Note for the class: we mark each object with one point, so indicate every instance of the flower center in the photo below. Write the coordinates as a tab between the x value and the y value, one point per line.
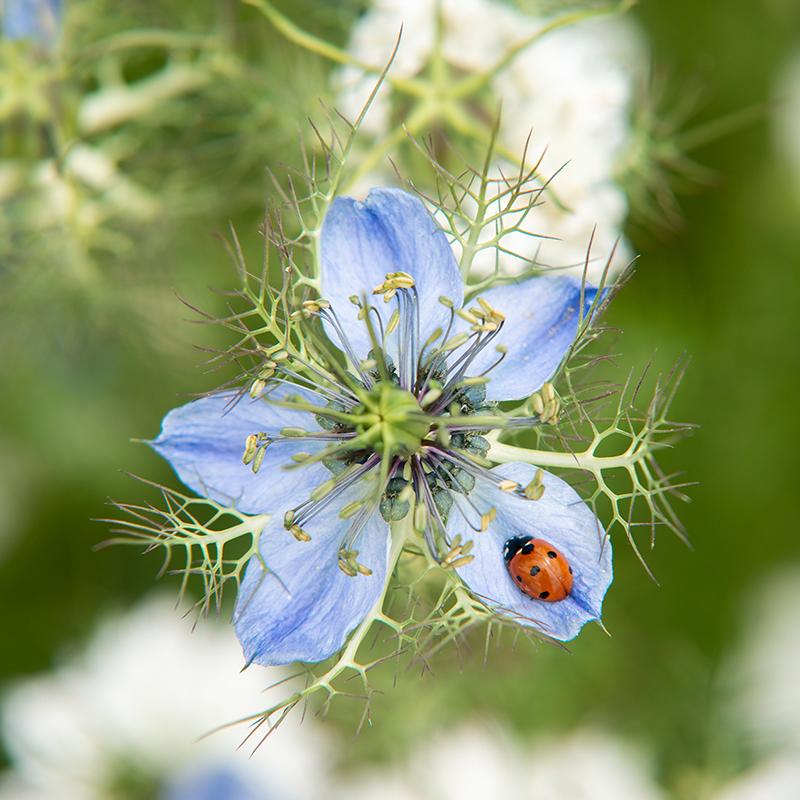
392	421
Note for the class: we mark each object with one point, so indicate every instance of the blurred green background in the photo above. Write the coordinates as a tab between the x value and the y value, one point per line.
93	356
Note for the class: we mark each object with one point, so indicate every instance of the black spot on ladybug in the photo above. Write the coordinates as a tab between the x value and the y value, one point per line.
534	571
527	549
519	578
513	546
570	570
544	595
552	554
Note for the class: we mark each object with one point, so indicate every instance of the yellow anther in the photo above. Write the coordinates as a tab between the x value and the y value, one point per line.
345	567
454	342
323	490
350	509
487	519
508	486
292	432
259	458
299	534
491	313
535	489
393	322
250	448
256	387
484	318
393	282
311	308
467	316
267	371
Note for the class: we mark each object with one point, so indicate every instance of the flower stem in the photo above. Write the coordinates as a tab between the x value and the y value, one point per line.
504	453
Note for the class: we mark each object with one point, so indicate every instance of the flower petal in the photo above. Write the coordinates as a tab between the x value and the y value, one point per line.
216	782
390	231
304	607
542	317
32	19
561	518
204	441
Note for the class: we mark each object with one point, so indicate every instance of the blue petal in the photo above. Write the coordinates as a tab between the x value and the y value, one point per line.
304	607
31	19
215	783
542	317
391	231
561	518
204	441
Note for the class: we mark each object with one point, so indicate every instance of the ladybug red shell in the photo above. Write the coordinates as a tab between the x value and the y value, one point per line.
538	569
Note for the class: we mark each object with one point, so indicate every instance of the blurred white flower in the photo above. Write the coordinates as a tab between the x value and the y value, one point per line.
764	674
127	714
774	779
484	761
786	119
572	89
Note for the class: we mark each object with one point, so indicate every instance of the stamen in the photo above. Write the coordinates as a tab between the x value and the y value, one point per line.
393	282
545	404
330	316
535	489
307	510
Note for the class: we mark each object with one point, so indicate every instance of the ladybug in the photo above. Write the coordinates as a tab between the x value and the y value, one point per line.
538	569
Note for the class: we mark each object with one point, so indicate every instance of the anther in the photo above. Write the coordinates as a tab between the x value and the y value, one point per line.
259	459
535	489
299	534
250	448
323	490
351	509
293	432
420	517
256	387
394	320
393	282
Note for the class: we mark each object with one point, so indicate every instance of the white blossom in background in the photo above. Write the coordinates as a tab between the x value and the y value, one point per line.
786	120
573	89
130	711
774	779
764	674
483	761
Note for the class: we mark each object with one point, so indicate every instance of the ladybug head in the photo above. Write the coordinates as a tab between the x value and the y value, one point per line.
513	546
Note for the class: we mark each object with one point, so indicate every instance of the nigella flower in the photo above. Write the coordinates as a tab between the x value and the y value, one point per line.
352	463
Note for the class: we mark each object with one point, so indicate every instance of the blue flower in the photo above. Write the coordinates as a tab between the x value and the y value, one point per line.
212	783
31	19
337	454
